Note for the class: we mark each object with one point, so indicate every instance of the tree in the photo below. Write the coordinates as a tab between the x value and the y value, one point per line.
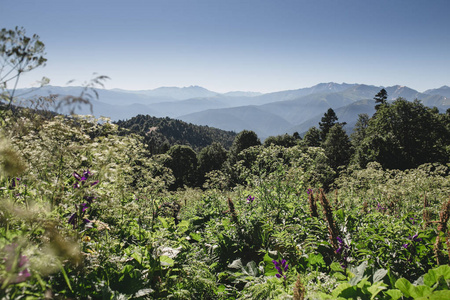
245	139
380	99
327	121
210	158
284	140
404	135
312	137
183	163
359	131
337	147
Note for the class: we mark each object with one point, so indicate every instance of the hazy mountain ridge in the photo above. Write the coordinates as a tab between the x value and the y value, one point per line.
267	114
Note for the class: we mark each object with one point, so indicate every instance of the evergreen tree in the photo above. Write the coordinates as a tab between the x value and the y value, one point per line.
380	99
312	137
210	158
359	131
183	163
327	121
337	147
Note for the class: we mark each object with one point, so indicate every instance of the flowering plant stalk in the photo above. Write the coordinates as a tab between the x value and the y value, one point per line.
282	267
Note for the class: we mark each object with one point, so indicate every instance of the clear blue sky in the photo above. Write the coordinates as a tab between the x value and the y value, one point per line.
248	45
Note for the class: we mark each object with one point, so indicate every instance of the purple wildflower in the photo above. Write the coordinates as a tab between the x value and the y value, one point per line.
73	219
250	199
89	199
309	191
343	249
282	267
19	263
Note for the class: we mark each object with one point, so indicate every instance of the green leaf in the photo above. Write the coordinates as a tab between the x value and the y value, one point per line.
316	260
143	292
137	256
394	294
252	269
409	290
404	286
195	236
166	261
335	266
440	295
66	278
236	264
421	291
220	289
432	277
345	290
376	288
379	275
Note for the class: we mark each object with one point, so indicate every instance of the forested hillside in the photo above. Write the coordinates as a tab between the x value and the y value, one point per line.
161	133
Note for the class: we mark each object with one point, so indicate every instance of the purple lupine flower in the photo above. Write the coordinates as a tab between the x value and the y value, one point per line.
309	191
250	199
282	267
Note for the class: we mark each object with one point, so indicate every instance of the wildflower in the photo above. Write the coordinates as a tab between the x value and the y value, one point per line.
380	208
342	249
281	267
73	219
309	191
250	199
89	199
16	264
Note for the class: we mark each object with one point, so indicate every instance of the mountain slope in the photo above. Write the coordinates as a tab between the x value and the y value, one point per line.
240	118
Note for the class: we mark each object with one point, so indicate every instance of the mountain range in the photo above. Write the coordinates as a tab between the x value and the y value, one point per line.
267	114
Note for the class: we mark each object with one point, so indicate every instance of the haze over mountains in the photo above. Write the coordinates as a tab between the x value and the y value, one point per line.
266	114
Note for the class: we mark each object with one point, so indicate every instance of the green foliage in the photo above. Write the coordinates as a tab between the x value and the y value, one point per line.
327	121
284	140
183	163
161	133
337	147
380	99
86	212
312	137
210	158
405	135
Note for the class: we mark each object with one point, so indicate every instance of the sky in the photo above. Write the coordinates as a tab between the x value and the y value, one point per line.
238	45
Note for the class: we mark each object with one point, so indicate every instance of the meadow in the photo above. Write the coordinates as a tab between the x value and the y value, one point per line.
87	214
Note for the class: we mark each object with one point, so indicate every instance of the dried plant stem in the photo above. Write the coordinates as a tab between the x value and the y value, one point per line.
299	290
444	215
312	205
426	213
328	212
232	210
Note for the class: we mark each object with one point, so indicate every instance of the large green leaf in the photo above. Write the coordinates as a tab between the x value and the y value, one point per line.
166	261
432	277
